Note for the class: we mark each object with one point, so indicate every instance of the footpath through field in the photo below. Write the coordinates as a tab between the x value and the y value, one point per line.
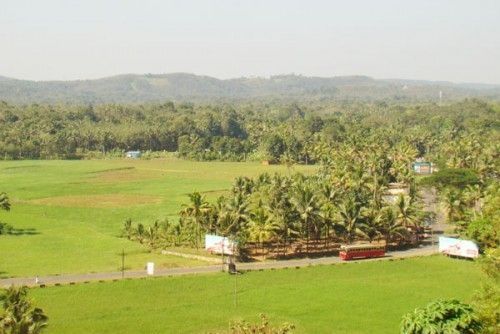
108	276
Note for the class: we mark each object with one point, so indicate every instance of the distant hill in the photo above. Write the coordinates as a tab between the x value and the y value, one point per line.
184	86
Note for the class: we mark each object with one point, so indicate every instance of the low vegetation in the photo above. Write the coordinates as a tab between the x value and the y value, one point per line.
264	327
442	316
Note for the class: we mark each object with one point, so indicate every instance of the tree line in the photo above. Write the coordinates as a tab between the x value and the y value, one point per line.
273	130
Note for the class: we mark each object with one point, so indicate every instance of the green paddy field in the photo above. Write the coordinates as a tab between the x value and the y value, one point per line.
69	213
367	297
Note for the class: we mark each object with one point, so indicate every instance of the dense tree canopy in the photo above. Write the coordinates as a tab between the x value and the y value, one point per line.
459	135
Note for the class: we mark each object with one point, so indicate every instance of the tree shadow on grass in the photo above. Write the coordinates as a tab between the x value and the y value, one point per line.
24	231
6	229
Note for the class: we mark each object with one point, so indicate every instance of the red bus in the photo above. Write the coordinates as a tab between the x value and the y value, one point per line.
349	252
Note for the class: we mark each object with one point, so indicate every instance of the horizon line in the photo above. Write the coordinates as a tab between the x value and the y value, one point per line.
266	77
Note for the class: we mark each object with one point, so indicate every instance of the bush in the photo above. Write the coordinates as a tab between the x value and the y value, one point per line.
244	327
452	177
442	316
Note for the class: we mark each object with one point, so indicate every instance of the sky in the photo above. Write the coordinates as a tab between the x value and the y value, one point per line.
450	40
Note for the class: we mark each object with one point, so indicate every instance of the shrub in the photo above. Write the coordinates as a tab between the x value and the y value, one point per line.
442	316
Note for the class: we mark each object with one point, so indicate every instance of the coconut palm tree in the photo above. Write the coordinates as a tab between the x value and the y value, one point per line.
390	227
307	206
152	235
372	223
243	185
128	229
19	316
140	233
454	204
407	213
196	213
234	216
472	196
261	227
349	218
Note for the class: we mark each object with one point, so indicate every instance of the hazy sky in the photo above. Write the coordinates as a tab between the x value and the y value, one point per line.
437	40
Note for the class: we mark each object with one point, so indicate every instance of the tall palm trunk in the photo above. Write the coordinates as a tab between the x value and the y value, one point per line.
307	236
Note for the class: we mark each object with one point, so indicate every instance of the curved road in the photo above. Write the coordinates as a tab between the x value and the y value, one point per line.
108	276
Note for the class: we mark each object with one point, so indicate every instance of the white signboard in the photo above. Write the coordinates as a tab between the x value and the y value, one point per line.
458	247
217	244
150	268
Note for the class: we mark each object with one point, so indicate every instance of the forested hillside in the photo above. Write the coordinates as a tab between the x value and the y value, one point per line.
188	87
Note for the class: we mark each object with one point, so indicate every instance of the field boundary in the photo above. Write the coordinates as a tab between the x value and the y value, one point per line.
191	256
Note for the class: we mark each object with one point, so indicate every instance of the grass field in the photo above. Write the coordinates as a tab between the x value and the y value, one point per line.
69	213
367	297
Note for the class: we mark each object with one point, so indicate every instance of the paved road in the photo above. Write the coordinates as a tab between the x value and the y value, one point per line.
108	276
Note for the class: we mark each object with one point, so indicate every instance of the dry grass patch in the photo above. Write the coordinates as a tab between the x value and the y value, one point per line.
124	174
99	201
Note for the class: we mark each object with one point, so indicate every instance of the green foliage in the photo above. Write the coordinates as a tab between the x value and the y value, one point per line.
487	305
453	177
4	202
19	316
305	132
5	205
273	147
442	316
487	299
5	228
264	327
479	212
484	232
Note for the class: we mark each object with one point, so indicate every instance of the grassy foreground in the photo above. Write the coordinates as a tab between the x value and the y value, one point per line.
368	297
70	213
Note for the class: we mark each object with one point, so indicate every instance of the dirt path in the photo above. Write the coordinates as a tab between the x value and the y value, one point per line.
431	204
108	276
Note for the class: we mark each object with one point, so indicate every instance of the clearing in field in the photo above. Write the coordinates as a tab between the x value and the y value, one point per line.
367	297
123	174
99	201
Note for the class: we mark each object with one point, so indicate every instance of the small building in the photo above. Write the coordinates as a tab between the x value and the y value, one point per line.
269	162
133	154
423	167
393	191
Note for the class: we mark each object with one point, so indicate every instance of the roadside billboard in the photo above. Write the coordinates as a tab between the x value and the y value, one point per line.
458	247
216	245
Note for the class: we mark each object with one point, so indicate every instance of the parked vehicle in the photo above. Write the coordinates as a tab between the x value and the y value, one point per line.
349	252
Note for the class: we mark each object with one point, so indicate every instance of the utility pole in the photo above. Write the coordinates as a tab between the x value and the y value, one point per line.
222	253
123	263
235	289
